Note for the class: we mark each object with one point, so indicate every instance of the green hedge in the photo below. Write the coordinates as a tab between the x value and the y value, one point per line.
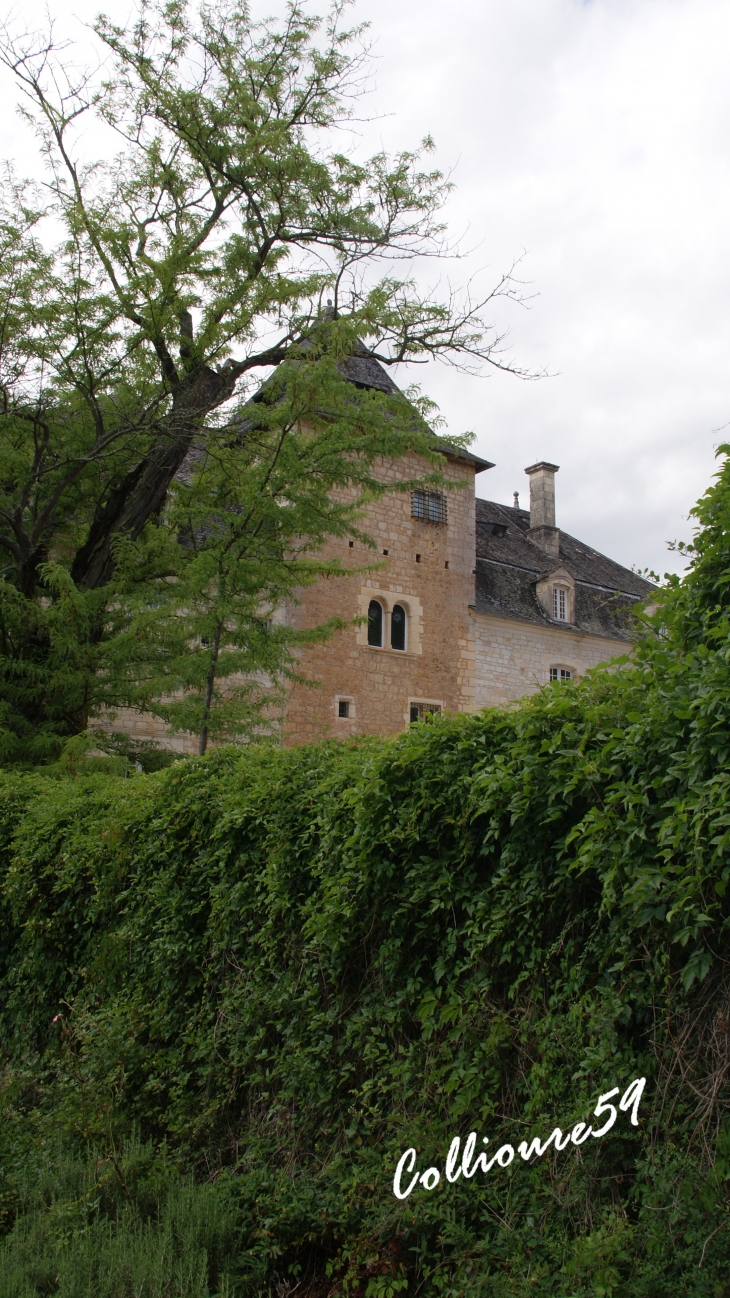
235	991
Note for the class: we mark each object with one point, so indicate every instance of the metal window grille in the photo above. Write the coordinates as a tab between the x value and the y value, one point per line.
430	506
398	627
560	674
343	708
560	604
421	710
375	624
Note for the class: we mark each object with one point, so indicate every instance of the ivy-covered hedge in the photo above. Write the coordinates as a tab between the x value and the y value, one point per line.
235	991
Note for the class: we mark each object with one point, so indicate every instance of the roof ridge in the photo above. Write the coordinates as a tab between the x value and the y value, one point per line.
589	552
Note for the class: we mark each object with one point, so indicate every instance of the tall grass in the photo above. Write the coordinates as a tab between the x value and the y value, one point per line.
84	1229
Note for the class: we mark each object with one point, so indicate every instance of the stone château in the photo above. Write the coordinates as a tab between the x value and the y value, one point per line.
474	604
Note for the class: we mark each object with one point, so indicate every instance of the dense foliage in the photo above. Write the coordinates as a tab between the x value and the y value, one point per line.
234	991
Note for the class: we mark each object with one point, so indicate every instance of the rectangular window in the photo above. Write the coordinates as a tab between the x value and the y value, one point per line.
429	506
343	708
560	604
421	710
560	674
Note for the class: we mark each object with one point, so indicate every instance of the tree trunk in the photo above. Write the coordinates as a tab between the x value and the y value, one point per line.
203	740
142	492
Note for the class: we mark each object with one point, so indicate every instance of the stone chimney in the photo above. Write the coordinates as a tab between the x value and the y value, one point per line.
542	507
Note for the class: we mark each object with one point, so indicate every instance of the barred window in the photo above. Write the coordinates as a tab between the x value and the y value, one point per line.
375	623
560	674
343	708
560	604
430	506
421	710
398	627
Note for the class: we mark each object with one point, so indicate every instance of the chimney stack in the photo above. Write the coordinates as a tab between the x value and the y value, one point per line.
542	507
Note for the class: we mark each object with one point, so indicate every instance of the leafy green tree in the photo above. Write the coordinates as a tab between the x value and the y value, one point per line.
146	292
692	611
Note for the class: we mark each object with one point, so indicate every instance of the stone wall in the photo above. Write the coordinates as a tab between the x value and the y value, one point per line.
143	726
514	658
455	658
428	568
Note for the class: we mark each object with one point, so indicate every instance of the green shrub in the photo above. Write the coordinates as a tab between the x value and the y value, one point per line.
283	968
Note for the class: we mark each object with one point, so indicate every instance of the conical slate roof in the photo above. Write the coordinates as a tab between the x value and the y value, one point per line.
364	371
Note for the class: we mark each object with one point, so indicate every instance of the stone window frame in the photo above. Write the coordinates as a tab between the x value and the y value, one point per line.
432	704
429	506
352	711
545	589
388	598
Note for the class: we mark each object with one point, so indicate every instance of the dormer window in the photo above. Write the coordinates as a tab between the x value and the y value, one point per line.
429	506
555	592
560	604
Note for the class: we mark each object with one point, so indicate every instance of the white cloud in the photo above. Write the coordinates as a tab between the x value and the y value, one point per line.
593	136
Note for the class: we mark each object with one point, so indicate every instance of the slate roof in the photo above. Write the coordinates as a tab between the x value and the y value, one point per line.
509	563
364	371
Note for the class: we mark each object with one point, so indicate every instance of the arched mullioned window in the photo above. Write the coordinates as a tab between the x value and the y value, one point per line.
398	627
375	623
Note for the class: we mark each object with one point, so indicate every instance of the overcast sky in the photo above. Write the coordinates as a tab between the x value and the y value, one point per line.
593	136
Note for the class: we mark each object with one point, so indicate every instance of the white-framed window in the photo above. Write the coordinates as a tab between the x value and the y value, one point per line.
429	506
560	604
561	674
344	707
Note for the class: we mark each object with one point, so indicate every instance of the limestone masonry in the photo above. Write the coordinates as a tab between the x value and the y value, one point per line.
496	606
474	604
